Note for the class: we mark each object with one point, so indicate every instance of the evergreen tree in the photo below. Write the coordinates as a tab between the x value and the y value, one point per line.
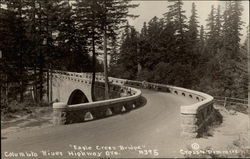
177	15
182	56
14	36
143	46
192	39
246	43
112	14
154	31
88	19
193	25
144	30
114	52
202	39
128	55
232	76
72	38
217	29
211	31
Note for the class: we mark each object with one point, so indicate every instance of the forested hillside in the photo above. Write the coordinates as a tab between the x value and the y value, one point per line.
177	50
41	35
37	36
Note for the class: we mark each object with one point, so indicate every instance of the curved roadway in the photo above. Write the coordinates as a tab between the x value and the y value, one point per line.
154	128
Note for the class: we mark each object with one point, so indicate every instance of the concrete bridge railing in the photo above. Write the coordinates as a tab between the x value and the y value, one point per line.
67	114
195	118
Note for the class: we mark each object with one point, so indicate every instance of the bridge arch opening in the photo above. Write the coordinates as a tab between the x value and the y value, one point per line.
77	97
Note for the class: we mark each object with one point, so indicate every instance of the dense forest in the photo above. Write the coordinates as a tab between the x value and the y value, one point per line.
37	36
176	50
41	35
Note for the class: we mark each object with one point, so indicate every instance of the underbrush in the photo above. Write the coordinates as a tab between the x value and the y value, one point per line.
15	108
239	108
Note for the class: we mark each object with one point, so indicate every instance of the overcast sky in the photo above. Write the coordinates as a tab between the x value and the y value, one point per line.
148	9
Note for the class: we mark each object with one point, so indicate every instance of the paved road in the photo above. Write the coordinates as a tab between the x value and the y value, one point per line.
150	131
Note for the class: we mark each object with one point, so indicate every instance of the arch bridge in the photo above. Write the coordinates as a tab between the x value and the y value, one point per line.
73	92
148	116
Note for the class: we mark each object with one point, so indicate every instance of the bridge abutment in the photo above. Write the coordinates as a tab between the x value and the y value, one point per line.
188	125
196	124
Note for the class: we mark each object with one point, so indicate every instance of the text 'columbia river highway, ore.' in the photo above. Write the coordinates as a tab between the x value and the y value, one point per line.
76	151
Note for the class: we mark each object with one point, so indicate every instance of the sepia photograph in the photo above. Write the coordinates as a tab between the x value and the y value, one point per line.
111	79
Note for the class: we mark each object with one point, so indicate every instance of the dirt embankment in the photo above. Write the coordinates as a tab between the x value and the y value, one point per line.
33	117
229	139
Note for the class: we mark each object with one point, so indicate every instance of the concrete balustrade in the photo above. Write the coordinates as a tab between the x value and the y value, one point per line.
67	114
195	118
90	111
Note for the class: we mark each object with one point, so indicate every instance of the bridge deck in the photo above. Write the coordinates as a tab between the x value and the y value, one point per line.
155	125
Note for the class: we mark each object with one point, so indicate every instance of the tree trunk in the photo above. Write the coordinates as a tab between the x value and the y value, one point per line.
21	77
35	84
51	97
35	67
93	67
1	91
48	98
40	57
137	59
21	58
6	90
105	64
41	79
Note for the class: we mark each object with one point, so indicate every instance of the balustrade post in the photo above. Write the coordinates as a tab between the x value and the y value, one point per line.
59	113
225	102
